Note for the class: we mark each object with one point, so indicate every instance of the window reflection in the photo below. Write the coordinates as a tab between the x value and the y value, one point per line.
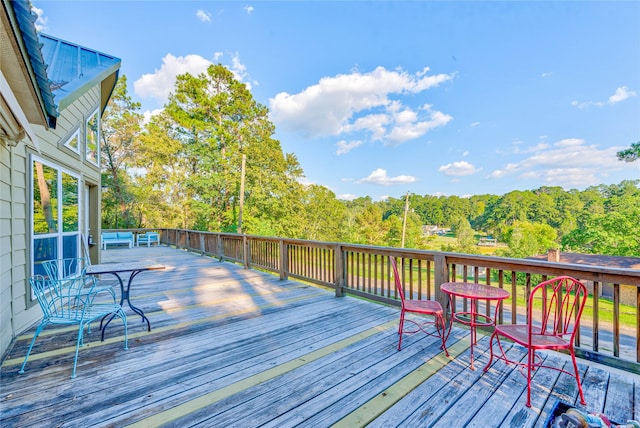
45	199
92	143
69	203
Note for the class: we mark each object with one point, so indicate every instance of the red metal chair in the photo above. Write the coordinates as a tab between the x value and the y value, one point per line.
554	310
424	307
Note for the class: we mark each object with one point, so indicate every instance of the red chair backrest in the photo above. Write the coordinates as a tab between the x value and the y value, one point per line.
396	277
555	306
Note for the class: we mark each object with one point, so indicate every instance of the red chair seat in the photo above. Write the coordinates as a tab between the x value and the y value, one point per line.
427	307
520	334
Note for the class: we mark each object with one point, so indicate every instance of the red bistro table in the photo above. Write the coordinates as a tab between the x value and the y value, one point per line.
474	292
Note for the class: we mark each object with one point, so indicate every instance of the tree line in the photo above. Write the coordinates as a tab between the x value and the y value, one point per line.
183	169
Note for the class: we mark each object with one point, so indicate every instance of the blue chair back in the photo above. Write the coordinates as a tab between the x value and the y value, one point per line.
63	301
64	268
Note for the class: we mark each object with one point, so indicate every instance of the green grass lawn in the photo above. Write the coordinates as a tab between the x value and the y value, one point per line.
449	239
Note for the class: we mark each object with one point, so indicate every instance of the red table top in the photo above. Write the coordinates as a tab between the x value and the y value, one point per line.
472	290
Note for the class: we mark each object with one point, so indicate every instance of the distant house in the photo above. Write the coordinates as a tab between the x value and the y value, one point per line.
52	96
488	242
430	229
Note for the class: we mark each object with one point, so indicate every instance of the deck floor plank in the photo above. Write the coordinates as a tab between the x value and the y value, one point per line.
619	402
237	347
236	354
358	381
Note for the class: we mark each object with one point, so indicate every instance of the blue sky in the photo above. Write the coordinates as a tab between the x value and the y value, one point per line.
383	98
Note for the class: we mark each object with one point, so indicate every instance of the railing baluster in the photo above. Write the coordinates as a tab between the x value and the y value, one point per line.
501	285
420	284
514	297
616	320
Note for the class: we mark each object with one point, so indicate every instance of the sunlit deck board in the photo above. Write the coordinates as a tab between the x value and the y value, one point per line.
239	347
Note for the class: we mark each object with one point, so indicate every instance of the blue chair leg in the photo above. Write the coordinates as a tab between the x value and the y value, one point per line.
39	329
79	341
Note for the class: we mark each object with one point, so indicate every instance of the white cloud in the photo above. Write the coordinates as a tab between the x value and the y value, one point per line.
380	177
239	70
249	9
374	123
621	94
586	104
203	16
149	113
408	127
347	197
538	147
346	146
358	101
570	163
475	124
41	20
161	82
508	169
546	74
458	169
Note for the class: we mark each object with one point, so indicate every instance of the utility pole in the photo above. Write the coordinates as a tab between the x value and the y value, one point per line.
404	221
244	161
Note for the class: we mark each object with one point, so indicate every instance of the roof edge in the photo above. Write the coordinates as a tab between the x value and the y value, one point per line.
32	54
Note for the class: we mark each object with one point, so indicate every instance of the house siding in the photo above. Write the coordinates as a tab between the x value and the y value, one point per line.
14	313
17	311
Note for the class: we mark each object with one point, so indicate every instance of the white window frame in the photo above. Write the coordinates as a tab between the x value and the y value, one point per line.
87	133
75	135
59	208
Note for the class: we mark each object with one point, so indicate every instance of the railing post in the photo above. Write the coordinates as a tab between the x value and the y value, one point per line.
219	247
245	251
201	243
441	275
284	260
339	269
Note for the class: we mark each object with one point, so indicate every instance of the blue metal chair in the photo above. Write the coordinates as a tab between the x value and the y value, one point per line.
68	268
68	302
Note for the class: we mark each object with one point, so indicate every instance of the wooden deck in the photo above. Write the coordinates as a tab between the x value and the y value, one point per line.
240	348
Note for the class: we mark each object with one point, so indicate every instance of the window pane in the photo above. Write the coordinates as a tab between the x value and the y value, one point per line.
70	246
44	249
69	203
92	145
45	199
73	142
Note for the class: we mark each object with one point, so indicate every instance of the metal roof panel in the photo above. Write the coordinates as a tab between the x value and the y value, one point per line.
74	69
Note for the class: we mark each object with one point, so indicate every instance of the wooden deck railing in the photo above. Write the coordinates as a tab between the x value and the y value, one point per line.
609	330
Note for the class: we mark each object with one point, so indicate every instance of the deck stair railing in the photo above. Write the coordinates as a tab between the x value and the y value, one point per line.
609	329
